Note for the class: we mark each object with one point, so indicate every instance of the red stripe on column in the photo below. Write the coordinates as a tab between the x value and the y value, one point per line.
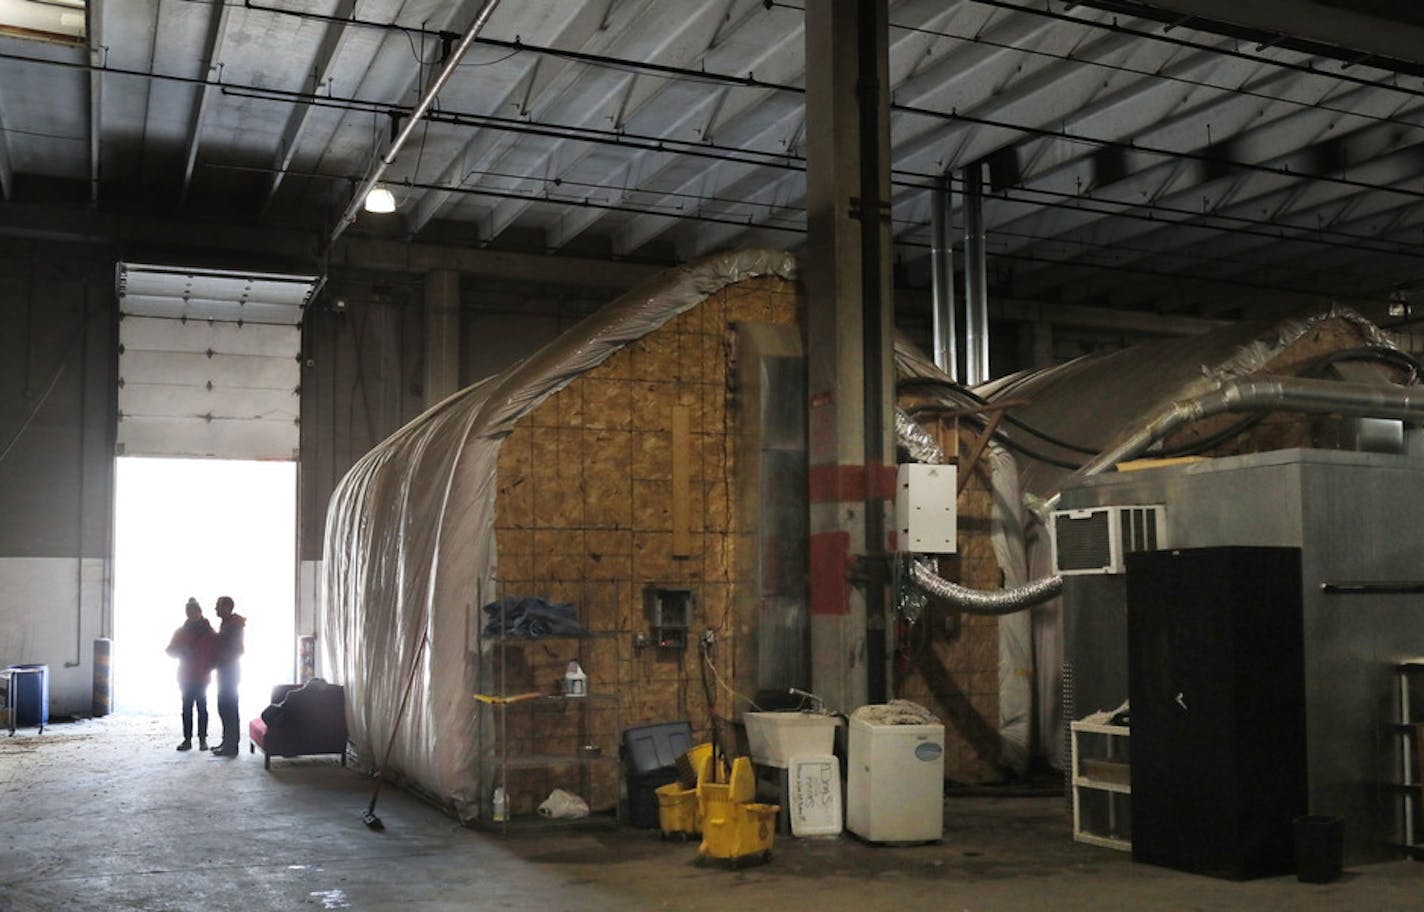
846	483
830	572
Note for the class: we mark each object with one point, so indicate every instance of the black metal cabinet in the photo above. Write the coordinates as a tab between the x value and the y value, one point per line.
1216	674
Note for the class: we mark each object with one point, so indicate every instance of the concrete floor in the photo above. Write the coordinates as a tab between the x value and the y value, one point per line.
105	815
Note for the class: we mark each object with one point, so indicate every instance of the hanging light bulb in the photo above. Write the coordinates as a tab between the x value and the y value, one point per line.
380	200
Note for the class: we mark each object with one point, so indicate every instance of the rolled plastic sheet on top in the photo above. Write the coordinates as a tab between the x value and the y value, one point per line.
410	548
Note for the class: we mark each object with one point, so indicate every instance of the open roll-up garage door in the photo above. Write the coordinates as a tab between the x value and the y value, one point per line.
208	362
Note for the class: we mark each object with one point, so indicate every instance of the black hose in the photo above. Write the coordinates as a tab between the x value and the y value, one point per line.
1019	423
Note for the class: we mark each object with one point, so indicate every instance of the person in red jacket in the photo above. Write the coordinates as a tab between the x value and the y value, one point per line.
225	659
192	645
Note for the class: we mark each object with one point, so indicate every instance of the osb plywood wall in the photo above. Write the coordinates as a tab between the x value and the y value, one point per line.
584	513
949	661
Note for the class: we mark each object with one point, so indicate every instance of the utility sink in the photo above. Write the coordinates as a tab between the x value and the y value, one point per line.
774	738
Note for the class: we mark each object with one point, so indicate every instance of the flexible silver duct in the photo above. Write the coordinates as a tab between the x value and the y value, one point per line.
924	448
921	443
1293	394
977	601
1290	394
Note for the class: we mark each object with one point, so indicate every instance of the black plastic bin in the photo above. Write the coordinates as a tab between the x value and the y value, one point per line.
650	754
650	748
31	693
1319	848
643	799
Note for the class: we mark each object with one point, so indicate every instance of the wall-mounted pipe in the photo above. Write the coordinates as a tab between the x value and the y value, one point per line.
976	278
413	121
946	349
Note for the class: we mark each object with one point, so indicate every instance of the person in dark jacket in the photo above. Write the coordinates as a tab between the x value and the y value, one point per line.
192	645
225	659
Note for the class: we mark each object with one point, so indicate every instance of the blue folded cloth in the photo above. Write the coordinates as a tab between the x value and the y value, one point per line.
531	617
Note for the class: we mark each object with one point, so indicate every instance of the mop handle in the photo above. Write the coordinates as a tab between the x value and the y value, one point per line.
400	710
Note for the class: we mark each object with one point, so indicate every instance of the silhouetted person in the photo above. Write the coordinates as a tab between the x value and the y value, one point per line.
225	660
192	645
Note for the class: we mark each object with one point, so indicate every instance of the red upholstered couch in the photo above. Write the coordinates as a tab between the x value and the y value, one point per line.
303	719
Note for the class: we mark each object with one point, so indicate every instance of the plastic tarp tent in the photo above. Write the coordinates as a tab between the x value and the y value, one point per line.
410	555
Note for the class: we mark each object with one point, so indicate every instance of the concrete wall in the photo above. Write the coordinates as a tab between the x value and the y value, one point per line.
57	355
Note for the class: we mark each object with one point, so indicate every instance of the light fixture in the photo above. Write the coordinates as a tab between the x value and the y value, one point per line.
380	200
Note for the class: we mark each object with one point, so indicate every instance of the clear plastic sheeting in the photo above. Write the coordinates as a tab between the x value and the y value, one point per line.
1006	535
410	548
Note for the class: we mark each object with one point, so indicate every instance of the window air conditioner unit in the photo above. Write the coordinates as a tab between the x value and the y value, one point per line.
1095	540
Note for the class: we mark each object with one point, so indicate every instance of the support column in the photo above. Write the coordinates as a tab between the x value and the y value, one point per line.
849	363
442	334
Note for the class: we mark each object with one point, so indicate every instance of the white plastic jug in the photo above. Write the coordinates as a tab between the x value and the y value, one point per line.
575	681
501	804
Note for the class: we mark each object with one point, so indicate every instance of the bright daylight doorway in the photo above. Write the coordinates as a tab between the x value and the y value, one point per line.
202	528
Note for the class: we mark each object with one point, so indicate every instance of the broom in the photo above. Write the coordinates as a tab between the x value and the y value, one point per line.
369	816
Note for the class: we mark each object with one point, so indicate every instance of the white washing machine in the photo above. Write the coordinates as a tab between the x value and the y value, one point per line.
895	782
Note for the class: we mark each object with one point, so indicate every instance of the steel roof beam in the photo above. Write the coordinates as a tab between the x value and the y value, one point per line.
318	76
981	66
218	21
1256	192
94	29
698	30
686	119
546	77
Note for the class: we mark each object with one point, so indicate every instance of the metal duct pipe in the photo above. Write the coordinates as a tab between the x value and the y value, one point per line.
1293	394
413	121
976	277
921	443
923	447
978	601
946	352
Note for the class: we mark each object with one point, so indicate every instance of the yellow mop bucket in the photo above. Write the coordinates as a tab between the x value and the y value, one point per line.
677	810
734	827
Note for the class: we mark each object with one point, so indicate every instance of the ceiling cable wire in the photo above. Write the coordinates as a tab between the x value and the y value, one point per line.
781	160
1117	28
686	146
1161	75
784	161
791	162
953	115
799	228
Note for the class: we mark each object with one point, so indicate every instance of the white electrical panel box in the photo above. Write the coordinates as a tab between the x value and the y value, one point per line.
1096	539
925	508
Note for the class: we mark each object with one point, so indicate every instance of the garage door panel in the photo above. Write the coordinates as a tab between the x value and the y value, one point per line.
220	439
228	372
207	385
149	401
151	334
204	309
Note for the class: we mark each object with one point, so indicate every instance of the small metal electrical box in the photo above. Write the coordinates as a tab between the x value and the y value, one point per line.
925	509
669	615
